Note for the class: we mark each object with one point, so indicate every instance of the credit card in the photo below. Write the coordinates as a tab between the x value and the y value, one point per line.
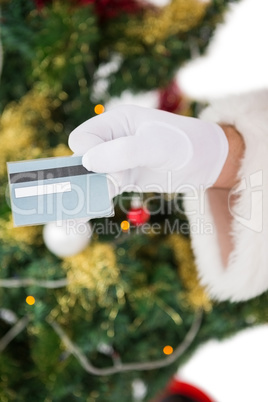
56	189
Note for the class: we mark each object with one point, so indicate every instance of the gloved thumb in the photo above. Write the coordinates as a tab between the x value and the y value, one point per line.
113	156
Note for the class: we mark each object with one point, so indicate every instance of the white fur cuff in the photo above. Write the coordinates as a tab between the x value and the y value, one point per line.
246	274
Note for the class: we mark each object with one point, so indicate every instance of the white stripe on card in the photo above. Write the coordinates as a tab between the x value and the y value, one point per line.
44	189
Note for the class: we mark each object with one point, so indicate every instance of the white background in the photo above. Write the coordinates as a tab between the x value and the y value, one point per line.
237	58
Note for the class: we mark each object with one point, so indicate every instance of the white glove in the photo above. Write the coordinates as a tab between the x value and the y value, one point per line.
149	150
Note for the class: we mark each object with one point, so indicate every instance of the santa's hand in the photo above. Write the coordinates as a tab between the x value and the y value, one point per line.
149	150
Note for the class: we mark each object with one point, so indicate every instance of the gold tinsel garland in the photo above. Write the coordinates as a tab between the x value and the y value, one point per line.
18	130
157	25
94	269
194	295
20	138
25	236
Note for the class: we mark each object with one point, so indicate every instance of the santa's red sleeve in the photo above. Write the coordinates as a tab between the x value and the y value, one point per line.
238	217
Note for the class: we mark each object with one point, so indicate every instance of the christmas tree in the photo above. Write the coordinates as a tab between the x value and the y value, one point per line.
129	307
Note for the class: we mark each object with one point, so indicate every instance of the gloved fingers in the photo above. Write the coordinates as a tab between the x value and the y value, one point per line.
81	145
105	127
164	146
113	156
155	145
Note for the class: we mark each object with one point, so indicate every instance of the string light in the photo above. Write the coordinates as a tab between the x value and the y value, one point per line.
125	226
99	109
168	350
30	300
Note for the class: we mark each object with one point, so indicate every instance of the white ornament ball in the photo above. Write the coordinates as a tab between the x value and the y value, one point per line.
67	238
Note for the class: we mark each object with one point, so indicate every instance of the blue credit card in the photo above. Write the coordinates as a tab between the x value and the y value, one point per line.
56	189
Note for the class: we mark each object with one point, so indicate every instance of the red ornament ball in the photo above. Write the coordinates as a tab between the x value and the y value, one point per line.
138	216
170	98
